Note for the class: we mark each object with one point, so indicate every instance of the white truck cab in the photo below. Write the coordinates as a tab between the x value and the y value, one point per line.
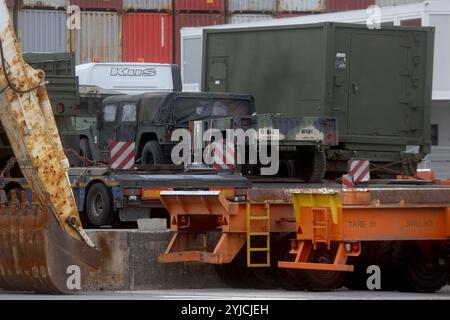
128	78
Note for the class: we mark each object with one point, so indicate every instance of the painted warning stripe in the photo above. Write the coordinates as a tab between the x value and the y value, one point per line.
224	160
347	181
122	155
360	170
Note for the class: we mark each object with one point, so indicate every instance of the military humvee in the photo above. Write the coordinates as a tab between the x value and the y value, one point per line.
149	119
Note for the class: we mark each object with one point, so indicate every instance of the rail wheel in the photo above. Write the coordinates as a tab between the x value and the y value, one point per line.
289	279
318	280
420	270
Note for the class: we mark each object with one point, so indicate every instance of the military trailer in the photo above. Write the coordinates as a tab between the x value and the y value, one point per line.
376	83
301	142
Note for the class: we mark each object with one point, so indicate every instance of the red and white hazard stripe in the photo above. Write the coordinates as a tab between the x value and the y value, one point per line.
122	155
347	181
224	156
359	170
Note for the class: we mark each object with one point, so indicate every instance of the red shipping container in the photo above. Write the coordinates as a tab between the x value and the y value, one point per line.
200	5
346	5
147	37
193	20
115	5
411	22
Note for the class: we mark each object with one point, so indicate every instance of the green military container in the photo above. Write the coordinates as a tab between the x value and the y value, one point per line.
376	83
62	89
62	84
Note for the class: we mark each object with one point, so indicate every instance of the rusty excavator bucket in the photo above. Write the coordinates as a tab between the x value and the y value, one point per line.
43	247
35	253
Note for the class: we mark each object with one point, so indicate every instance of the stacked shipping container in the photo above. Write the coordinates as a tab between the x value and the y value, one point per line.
149	30
147	37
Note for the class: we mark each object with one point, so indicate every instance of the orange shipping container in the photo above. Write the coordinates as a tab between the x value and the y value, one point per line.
193	20
147	37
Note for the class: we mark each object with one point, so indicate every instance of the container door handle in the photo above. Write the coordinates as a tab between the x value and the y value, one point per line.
355	88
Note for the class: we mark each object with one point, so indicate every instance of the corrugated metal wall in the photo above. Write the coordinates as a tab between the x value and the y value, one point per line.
299	5
147	37
193	20
98	4
243	18
45	3
43	31
151	28
200	5
252	5
340	5
385	3
159	5
99	37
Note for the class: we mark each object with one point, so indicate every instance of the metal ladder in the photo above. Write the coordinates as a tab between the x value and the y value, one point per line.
266	233
321	224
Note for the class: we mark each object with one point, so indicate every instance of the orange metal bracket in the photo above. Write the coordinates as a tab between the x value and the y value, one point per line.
179	249
303	252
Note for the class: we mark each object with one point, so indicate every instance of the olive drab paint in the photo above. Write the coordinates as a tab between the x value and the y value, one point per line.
377	83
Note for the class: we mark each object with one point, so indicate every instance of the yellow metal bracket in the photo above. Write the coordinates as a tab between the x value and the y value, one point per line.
317	198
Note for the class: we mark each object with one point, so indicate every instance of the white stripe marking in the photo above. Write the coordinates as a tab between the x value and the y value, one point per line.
116	148
122	157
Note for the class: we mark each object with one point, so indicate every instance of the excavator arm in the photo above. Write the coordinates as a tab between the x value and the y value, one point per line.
40	239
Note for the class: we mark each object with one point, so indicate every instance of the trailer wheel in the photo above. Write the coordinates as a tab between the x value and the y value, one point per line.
152	153
289	279
385	258
99	205
229	275
311	165
265	277
419	271
235	274
287	168
322	281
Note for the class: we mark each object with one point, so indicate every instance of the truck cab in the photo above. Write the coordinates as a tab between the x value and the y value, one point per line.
149	120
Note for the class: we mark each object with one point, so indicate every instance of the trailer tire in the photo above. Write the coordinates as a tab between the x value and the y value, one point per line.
99	205
287	168
323	281
229	275
311	165
357	280
289	279
235	274
416	272
152	153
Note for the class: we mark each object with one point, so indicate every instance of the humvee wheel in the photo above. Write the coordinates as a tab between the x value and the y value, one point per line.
152	153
